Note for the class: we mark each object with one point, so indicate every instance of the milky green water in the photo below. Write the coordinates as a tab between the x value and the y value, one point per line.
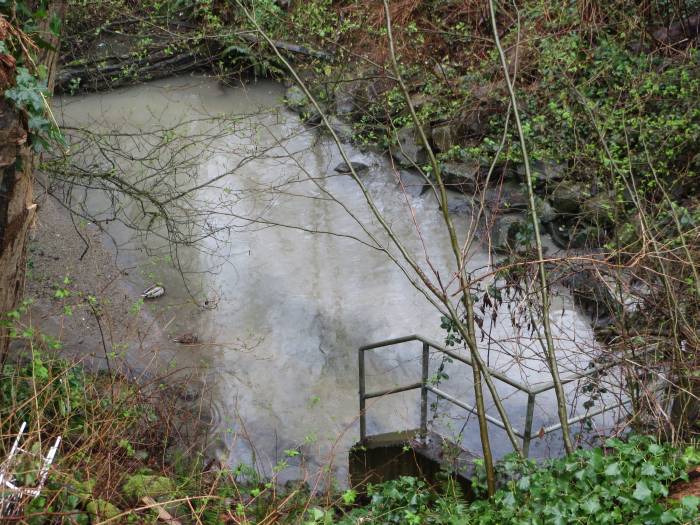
287	307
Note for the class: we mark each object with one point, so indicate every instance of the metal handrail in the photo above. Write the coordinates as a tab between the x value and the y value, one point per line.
526	434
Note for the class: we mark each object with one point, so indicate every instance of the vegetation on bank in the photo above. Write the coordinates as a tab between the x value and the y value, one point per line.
125	459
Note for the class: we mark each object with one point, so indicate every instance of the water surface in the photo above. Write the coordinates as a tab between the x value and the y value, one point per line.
281	287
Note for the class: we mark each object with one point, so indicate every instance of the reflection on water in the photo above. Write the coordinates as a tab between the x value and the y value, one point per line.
284	284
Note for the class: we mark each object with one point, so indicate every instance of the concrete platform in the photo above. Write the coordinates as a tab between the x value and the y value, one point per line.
389	456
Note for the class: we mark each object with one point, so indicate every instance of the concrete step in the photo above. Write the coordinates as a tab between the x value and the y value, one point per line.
383	457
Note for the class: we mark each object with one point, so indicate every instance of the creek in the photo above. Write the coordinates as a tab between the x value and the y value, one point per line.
279	290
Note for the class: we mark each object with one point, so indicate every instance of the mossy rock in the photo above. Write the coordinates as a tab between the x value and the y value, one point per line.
140	485
82	489
295	98
100	509
568	196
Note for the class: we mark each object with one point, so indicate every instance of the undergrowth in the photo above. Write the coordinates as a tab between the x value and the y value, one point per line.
120	447
625	482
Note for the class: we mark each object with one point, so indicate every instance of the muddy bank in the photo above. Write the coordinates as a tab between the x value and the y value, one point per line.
70	254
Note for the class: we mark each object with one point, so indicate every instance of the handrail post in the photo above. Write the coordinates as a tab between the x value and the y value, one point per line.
424	392
527	431
361	369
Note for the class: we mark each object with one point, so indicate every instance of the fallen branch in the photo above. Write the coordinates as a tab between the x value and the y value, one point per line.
163	515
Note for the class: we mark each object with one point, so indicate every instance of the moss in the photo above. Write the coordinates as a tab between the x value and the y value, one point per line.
140	485
102	510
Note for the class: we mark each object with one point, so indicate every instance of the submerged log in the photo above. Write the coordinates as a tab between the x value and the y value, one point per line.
96	75
100	73
286	46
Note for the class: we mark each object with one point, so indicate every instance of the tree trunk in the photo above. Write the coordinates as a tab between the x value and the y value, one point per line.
17	208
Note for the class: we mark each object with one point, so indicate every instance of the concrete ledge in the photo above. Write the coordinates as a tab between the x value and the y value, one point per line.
389	456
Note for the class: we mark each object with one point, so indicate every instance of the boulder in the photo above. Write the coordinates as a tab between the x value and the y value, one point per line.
507	233
295	99
570	234
509	198
408	149
568	196
444	136
544	173
599	208
341	128
461	208
344	102
344	168
545	211
604	296
460	176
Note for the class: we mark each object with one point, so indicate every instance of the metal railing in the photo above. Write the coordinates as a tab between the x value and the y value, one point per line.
526	434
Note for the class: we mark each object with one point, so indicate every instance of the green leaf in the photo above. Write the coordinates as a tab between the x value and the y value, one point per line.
591	506
668	517
641	492
55	24
613	469
648	469
524	483
690	502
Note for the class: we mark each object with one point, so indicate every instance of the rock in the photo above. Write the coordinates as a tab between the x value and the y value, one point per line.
506	233
584	236
341	128
509	198
100	510
544	173
344	168
599	208
573	234
408	149
345	98
310	115
444	137
605	296
295	99
460	208
460	176
568	196
545	211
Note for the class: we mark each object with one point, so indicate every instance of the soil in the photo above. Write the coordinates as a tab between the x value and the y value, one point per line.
687	488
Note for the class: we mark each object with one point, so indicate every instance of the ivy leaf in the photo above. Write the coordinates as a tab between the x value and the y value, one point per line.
690	502
524	483
648	469
668	517
641	492
591	506
613	469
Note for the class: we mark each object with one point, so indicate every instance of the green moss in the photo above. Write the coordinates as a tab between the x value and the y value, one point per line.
102	510
140	485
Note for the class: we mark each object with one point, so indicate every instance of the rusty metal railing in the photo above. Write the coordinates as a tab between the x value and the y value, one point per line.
532	392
